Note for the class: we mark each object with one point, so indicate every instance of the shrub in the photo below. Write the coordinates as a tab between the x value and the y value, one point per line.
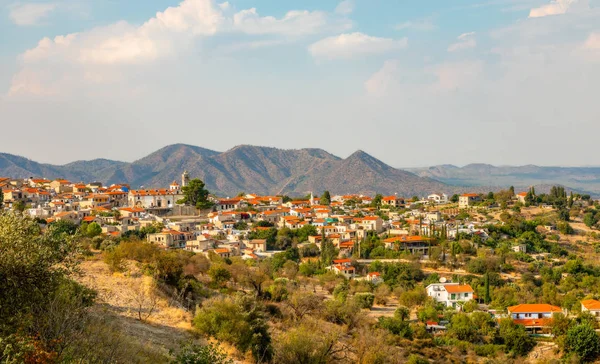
201	354
364	299
583	340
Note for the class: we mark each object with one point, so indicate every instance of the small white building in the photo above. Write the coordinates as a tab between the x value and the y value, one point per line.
438	198
519	248
591	306
450	294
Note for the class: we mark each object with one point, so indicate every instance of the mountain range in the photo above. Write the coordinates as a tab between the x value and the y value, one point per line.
246	168
580	179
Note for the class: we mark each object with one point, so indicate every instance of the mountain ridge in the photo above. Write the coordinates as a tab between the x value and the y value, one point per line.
258	169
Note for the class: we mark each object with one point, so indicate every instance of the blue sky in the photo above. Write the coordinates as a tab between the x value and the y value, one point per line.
414	83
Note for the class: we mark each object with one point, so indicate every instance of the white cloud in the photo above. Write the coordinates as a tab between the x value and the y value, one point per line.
465	41
556	7
423	25
92	56
30	14
379	82
345	7
351	45
293	23
123	43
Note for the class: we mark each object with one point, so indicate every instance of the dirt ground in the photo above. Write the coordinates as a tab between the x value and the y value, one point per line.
119	295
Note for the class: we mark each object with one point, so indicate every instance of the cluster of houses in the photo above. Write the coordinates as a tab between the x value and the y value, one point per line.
345	222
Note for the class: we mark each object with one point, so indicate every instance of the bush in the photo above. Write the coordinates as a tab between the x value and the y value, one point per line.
201	354
515	338
583	340
364	299
488	350
115	259
239	321
396	326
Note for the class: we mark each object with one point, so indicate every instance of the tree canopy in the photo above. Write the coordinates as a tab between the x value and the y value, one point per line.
195	194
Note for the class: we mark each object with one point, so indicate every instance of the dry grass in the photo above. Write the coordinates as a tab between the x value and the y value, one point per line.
165	328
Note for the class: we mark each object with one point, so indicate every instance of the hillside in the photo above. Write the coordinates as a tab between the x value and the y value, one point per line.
583	179
243	168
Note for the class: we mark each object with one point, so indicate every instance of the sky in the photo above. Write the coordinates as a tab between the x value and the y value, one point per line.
411	82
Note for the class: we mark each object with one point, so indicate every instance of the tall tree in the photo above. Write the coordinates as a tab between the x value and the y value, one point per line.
377	200
328	252
326	198
487	299
195	194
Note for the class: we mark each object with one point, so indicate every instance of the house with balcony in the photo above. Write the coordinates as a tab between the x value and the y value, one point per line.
450	294
536	317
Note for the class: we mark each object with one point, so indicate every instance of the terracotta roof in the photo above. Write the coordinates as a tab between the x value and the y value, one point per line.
470	195
374	274
406	239
591	304
340	261
533	308
221	251
458	288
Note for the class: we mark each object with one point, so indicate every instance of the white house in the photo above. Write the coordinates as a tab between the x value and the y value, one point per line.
591	306
450	294
438	198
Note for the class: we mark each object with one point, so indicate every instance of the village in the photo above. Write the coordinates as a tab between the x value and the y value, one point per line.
410	229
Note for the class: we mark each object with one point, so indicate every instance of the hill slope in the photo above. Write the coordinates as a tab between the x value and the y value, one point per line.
247	168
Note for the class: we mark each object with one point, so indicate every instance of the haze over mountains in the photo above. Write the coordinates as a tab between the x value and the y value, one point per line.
583	179
246	168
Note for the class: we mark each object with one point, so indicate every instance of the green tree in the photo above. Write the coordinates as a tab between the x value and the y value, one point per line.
583	340
201	354
93	229
377	200
589	219
19	206
328	252
462	328
454	198
515	338
487	298
219	274
40	307
239	321
195	194
364	299
325	198
1	199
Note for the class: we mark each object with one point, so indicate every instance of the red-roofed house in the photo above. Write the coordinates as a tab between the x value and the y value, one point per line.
591	306
534	316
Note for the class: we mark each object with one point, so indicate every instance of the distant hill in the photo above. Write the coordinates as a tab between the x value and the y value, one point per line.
583	179
246	168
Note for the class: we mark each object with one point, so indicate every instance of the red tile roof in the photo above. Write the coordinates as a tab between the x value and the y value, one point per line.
533	308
